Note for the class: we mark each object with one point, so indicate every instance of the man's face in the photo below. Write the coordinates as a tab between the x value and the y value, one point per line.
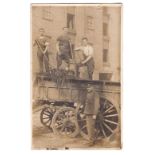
65	30
84	42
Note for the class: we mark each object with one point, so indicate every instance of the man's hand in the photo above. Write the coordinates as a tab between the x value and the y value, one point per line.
44	51
77	49
79	64
86	60
83	62
34	44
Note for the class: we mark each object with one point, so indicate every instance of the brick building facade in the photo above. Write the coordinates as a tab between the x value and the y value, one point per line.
100	24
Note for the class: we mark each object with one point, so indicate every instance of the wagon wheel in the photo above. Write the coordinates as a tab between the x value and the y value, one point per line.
106	120
46	116
64	122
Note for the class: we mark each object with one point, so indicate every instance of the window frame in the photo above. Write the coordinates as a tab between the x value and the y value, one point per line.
47	14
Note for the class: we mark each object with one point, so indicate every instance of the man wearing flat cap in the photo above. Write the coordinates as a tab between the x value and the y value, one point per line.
90	112
88	60
42	52
64	49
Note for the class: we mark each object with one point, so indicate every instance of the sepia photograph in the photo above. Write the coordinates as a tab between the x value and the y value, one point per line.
76	76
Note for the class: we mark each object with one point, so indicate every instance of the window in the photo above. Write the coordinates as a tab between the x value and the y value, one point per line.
47	14
90	23
105	9
70	21
105	29
105	55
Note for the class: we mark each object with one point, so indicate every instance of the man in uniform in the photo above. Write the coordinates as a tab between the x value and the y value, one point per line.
88	57
90	113
42	52
64	49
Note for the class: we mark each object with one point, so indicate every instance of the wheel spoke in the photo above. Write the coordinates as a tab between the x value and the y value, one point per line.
83	127
108	127
47	111
102	129
59	126
47	121
62	122
50	122
108	109
46	117
63	126
110	121
112	115
46	114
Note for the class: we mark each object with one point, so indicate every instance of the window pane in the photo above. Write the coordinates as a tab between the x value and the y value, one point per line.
90	23
47	13
105	29
105	55
70	21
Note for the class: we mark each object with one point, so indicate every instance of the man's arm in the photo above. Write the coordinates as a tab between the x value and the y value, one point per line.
91	52
34	44
86	60
46	48
78	48
57	47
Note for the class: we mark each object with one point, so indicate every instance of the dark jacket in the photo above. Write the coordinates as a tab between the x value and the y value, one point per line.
90	103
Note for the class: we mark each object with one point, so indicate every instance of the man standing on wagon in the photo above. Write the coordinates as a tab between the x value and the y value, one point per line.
64	49
42	53
88	61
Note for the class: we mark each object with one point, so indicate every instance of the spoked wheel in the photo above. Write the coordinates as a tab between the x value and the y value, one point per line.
46	116
64	122
106	120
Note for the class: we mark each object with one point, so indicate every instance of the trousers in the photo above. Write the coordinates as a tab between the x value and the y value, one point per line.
90	123
43	61
90	67
64	57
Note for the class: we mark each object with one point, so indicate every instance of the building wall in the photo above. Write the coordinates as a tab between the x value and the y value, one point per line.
115	41
88	22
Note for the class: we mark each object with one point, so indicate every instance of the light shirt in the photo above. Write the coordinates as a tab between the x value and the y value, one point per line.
43	41
87	50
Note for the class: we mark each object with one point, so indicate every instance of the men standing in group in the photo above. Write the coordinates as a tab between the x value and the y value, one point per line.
64	49
88	61
42	52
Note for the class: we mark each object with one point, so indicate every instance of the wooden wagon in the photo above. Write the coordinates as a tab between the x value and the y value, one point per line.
64	100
